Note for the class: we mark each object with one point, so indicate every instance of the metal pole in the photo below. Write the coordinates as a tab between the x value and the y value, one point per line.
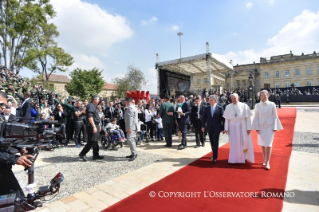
180	43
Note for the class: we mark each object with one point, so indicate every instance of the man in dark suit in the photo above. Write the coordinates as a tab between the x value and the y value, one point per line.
109	112
8	117
196	118
213	118
25	109
184	120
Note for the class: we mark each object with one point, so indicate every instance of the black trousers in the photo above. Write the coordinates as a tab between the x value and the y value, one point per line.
79	127
214	142
93	139
279	102
150	128
198	132
9	183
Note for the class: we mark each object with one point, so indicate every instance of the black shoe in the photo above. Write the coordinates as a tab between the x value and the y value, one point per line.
167	145
203	144
196	146
214	160
152	139
98	157
181	147
133	158
158	139
83	157
129	156
162	139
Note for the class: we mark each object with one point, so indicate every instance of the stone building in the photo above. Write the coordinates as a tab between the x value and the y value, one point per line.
108	90
277	72
59	83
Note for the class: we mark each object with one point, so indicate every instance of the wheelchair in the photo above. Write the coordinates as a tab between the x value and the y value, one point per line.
147	136
109	140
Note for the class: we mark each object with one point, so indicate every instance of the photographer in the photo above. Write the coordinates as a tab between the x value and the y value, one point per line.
8	182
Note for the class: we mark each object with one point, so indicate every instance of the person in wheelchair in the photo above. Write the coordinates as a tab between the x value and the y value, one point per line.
114	128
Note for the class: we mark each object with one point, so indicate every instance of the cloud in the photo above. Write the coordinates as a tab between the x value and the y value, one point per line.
299	36
174	27
149	21
249	5
86	62
271	2
86	28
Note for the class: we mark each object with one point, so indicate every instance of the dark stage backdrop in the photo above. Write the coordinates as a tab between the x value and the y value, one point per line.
172	80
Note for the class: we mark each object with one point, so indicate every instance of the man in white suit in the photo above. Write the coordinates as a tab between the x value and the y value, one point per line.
131	126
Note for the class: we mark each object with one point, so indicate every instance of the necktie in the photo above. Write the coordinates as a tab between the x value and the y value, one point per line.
212	109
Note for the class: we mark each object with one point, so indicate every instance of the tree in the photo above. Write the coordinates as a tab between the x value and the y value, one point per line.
45	49
85	82
134	79
19	20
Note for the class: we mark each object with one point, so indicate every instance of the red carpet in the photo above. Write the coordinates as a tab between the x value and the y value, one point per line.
202	175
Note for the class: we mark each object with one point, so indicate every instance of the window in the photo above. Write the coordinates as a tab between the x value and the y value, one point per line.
297	84
277	86
297	72
227	85
205	80
308	83
266	74
238	83
245	83
277	74
287	84
198	81
257	82
309	71
287	73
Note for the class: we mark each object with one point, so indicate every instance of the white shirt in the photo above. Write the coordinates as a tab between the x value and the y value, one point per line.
6	118
198	110
13	110
148	115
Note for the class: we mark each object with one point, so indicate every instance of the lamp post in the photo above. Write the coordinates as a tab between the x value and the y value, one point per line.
180	43
251	92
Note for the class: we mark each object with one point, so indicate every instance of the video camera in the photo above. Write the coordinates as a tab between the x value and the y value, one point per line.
33	138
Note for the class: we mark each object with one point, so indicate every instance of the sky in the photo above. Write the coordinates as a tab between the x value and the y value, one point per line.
113	34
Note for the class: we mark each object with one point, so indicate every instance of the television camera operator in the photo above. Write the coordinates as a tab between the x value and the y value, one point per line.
8	182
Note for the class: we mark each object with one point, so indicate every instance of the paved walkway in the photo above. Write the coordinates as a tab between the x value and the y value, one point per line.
303	176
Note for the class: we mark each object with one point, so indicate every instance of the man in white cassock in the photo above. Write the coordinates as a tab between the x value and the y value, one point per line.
238	127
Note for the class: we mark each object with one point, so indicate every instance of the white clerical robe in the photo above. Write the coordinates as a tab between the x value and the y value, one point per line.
237	122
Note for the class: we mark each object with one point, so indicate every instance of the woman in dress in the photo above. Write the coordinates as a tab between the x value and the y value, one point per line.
266	123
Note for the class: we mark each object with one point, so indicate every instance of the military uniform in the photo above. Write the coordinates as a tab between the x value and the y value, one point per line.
68	108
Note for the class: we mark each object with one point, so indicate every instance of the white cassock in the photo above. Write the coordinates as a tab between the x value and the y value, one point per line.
237	122
266	121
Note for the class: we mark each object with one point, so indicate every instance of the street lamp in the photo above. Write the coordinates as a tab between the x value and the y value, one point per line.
251	91
180	43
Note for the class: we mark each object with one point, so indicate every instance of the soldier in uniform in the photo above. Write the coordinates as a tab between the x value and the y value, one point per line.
19	89
9	89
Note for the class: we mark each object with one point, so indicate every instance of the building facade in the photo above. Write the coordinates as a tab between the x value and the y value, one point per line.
277	72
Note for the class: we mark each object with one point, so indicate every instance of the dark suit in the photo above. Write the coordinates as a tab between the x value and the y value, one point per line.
25	110
110	112
12	118
184	121
197	122
214	126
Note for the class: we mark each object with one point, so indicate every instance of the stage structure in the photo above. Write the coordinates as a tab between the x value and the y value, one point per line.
178	76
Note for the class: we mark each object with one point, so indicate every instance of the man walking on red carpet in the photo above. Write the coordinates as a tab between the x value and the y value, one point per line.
213	117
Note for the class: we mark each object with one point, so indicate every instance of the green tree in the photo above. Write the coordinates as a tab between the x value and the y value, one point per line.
133	80
44	50
19	22
85	82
